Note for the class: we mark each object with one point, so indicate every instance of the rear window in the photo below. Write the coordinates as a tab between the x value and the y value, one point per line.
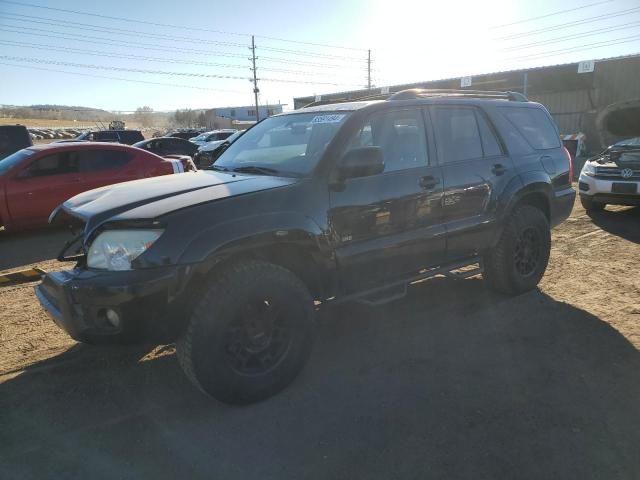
130	136
534	125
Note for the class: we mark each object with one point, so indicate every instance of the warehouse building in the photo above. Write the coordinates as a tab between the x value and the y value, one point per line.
594	103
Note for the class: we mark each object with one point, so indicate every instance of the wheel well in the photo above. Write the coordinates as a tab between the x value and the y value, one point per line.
538	200
296	258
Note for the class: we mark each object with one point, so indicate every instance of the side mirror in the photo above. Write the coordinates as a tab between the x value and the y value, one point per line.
361	162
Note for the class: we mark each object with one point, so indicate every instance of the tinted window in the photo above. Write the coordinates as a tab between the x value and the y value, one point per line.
218	136
56	164
534	125
97	160
457	134
130	136
105	136
490	145
400	135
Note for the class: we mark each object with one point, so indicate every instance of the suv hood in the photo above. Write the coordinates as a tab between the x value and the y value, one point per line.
151	198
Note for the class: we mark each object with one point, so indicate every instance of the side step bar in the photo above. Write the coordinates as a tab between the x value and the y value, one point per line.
396	290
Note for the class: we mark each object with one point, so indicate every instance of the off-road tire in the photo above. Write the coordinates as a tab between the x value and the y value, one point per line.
501	268
590	206
204	352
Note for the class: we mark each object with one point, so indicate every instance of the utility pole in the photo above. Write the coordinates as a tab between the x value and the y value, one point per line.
255	78
368	69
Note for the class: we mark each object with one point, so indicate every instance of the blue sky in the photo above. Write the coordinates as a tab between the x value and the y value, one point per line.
409	41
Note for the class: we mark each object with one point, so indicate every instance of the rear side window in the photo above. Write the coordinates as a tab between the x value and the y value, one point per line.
56	164
534	125
457	134
98	160
490	145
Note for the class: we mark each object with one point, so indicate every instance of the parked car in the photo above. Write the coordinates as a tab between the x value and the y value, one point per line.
307	209
185	134
168	146
128	137
13	138
612	177
209	152
35	180
213	136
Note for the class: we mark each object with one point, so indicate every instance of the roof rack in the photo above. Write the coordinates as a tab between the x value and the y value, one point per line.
416	93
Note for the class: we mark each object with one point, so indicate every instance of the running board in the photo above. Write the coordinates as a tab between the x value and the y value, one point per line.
397	290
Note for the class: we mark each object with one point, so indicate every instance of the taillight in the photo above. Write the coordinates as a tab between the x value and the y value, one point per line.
570	160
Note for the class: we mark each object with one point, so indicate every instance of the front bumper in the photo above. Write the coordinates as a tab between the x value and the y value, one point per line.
149	304
600	190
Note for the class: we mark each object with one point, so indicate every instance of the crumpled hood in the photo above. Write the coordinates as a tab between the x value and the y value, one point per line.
151	198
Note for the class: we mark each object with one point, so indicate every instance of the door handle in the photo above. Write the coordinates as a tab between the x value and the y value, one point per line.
429	182
498	169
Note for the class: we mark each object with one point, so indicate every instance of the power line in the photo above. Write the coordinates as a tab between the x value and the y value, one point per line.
572	37
159	72
568	24
40	46
553	53
531	19
31	67
157	24
103	29
151	46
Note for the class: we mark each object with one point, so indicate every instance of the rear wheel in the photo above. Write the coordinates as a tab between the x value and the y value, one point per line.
590	206
520	259
250	334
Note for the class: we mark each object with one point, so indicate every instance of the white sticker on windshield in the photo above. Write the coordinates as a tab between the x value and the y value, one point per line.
328	118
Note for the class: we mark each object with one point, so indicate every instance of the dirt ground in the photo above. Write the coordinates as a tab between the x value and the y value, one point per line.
451	382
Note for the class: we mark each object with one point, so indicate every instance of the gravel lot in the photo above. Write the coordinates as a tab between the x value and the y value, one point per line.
452	382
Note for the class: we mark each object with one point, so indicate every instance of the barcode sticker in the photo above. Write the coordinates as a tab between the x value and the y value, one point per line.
327	118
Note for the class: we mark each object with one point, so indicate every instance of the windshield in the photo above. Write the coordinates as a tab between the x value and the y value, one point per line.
289	144
14	159
202	136
218	136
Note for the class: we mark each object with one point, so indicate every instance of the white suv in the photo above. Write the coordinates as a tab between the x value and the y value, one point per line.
613	177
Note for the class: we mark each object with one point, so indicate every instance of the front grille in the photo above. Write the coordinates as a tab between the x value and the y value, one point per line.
615	173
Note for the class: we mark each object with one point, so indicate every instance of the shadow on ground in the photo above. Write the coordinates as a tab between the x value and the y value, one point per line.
622	223
451	382
22	248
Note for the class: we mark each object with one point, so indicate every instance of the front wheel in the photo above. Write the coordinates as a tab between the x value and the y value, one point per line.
520	258
250	334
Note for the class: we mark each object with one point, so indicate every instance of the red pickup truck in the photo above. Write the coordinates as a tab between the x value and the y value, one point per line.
35	180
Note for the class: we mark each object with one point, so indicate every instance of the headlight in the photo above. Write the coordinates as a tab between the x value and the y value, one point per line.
589	169
116	249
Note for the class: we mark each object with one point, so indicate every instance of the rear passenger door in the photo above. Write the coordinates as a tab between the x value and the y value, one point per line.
474	168
387	226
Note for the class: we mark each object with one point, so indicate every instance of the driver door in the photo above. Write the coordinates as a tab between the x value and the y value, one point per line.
388	226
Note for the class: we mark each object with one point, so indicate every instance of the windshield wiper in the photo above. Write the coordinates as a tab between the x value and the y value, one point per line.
213	166
256	170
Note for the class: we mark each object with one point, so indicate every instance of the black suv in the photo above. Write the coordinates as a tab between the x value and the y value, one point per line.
128	137
325	204
13	138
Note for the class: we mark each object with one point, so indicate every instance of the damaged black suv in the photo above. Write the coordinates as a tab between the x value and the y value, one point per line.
329	203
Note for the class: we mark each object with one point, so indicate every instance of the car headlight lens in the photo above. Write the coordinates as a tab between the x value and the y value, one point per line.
116	249
589	169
